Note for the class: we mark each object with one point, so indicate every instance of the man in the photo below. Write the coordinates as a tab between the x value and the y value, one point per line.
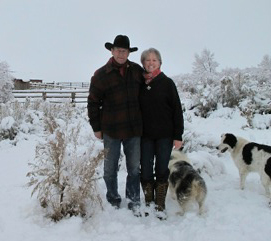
115	117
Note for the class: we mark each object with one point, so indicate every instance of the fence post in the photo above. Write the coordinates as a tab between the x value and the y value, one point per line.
73	98
44	96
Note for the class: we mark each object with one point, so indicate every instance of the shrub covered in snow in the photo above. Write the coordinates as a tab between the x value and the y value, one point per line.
6	83
8	128
64	175
19	118
248	89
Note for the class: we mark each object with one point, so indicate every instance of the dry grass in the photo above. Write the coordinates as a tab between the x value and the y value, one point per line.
63	179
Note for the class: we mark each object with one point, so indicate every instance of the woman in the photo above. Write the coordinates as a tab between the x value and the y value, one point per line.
162	128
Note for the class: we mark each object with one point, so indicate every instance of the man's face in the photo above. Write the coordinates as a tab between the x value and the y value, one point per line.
120	54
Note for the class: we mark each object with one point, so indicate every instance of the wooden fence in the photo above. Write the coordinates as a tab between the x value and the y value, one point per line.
56	96
60	85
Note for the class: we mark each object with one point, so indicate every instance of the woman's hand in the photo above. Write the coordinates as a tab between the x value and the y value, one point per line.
177	144
98	135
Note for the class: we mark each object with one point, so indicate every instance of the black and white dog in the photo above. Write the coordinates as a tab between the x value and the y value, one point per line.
249	157
185	183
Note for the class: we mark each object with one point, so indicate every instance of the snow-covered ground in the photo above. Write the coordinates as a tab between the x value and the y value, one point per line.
231	214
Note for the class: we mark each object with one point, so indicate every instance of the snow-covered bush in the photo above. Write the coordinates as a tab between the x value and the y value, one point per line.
261	121
24	119
229	95
209	164
63	175
6	83
248	89
8	128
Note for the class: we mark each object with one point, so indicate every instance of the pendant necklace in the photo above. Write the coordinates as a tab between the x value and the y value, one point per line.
148	87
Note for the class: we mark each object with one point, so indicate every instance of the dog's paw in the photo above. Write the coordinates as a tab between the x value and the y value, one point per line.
202	211
161	215
180	213
269	204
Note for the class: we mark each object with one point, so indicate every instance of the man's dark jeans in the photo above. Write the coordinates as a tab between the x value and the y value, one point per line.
131	148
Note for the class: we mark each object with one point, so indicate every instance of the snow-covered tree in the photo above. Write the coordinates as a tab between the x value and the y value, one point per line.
265	69
228	94
206	82
6	83
204	67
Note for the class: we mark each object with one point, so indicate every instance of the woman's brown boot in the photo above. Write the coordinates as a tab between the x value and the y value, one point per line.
160	198
148	190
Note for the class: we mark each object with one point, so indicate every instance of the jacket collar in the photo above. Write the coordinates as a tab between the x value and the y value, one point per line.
109	66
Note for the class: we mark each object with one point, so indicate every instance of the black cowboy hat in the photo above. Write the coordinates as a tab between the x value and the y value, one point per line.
121	41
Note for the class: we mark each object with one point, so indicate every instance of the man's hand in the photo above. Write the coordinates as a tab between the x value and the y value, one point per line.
98	135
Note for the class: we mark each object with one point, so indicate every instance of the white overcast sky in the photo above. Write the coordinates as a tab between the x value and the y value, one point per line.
63	40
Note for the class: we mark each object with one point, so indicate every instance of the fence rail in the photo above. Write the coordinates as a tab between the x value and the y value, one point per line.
60	85
54	95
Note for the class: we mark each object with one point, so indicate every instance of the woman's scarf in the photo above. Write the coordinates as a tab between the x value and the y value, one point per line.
150	76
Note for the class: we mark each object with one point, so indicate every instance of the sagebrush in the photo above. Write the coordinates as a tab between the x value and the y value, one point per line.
63	178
